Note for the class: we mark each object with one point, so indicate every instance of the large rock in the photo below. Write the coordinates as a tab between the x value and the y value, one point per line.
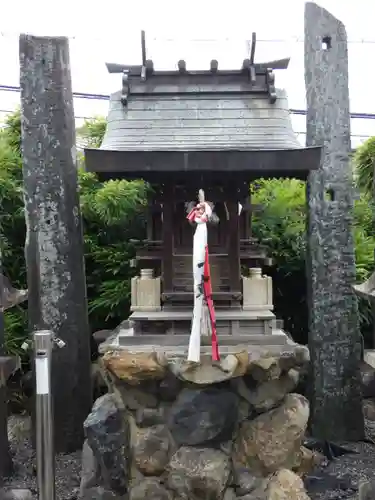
368	380
245	481
260	363
264	369
99	493
307	460
135	398
90	474
150	489
201	416
285	485
196	473
147	417
108	435
273	439
369	409
205	372
16	494
366	490
230	494
169	387
134	367
267	395
152	450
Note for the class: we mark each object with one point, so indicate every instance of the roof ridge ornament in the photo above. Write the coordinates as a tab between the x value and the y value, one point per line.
144	58
261	75
125	87
270	75
270	81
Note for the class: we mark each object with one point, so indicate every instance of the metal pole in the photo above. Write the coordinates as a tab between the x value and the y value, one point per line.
45	453
43	343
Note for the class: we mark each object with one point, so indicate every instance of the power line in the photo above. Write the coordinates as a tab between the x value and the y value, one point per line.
79	95
356	136
8	111
105	97
292	39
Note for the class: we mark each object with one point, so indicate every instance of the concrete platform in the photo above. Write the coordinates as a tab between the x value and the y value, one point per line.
186	315
183	340
178	344
228	322
369	357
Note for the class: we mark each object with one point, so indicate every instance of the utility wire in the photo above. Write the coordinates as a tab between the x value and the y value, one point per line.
291	39
105	97
357	136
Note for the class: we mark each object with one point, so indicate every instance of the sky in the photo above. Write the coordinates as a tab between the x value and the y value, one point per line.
197	31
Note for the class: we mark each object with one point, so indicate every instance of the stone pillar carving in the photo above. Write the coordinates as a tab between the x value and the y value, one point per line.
334	341
257	291
54	240
145	292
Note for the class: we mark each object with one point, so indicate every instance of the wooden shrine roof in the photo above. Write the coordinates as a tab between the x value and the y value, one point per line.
214	120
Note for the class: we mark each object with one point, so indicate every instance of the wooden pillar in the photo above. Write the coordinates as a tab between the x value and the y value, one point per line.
167	239
54	242
234	247
150	218
246	217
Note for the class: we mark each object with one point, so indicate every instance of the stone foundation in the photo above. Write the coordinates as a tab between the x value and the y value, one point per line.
173	430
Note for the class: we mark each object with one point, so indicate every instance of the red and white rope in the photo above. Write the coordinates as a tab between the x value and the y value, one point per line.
203	303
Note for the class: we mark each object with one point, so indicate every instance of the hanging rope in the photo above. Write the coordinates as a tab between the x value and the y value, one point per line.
203	302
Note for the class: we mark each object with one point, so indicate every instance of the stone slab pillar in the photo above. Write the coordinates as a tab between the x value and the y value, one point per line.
146	292
334	337
54	242
257	291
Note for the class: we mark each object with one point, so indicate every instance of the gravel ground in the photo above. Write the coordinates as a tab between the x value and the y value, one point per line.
68	467
337	481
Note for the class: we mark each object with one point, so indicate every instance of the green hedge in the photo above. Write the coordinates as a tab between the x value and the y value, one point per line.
113	214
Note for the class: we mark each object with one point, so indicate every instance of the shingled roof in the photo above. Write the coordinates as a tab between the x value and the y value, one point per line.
215	120
179	121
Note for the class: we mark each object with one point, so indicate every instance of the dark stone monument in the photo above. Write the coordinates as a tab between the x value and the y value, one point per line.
334	339
54	243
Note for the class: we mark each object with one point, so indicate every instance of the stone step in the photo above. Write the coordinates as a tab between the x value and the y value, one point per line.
186	315
8	366
277	338
288	345
369	357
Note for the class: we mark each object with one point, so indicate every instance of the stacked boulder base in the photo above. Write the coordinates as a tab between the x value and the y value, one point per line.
172	430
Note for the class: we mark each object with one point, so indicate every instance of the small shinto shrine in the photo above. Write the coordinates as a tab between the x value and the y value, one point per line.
216	130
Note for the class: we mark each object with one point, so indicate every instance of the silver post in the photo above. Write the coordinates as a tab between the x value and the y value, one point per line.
45	453
43	341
